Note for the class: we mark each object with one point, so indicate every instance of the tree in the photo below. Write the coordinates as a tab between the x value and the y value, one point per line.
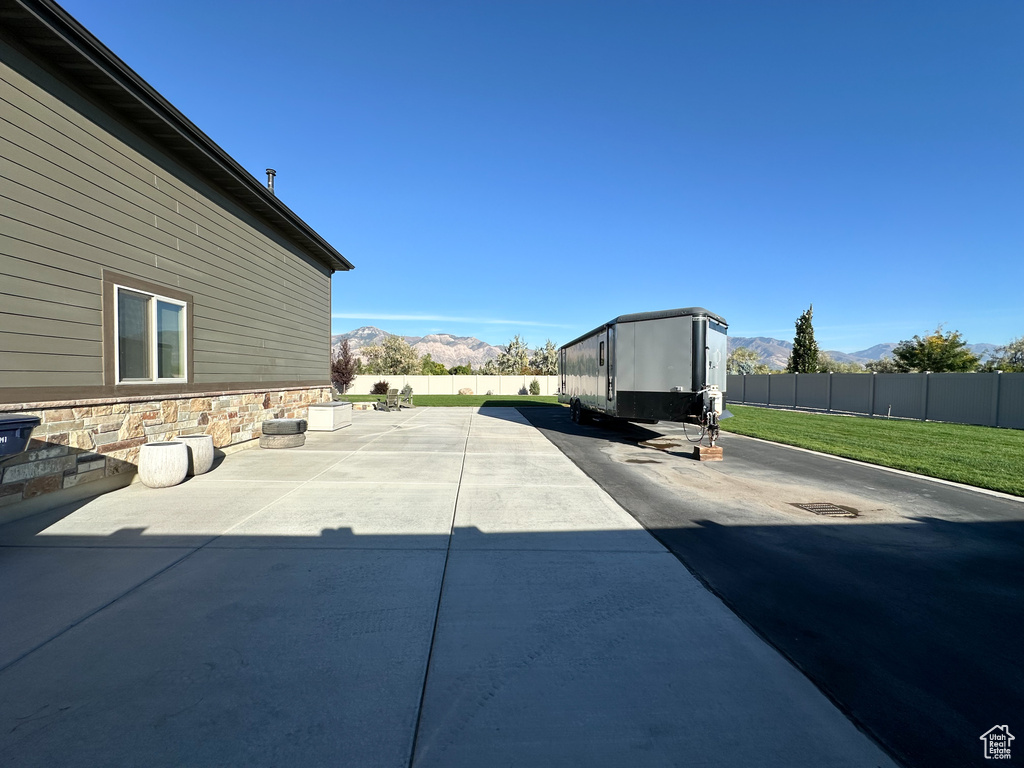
489	368
827	364
883	364
1009	358
344	366
429	368
514	358
937	352
745	360
392	358
804	358
545	359
460	370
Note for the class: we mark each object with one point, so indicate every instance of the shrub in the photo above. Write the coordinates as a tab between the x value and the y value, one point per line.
380	388
465	391
407	391
534	387
523	391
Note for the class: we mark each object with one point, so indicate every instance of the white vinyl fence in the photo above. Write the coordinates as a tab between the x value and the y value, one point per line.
450	385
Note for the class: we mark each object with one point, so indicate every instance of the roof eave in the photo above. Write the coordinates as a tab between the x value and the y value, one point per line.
145	104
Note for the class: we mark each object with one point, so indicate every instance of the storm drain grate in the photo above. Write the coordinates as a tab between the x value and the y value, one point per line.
831	510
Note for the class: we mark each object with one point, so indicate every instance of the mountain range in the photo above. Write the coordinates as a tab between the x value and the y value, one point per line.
452	350
775	352
442	347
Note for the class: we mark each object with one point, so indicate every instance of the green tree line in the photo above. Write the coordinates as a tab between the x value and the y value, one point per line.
937	352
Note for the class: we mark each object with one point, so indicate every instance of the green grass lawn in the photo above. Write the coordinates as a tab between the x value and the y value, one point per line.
494	401
981	456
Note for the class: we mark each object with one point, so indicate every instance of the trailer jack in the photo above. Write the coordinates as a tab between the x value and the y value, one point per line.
711	408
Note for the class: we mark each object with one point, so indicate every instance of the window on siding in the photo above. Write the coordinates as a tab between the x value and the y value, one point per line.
151	337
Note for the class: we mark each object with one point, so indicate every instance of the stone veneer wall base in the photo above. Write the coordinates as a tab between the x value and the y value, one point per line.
85	448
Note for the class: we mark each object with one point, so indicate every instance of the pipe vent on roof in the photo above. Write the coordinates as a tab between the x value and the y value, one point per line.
271	173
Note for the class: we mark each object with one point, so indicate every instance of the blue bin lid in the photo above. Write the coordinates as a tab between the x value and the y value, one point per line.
16	420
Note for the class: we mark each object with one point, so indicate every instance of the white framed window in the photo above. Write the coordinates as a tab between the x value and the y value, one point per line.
150	337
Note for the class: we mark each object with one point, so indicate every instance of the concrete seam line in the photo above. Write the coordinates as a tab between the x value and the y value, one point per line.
86	617
437	608
893	470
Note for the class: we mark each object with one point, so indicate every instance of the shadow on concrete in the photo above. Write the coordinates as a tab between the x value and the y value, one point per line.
913	630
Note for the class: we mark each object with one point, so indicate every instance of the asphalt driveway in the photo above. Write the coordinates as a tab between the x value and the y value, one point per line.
908	615
435	587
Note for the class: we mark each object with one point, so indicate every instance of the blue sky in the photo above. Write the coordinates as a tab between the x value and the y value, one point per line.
539	167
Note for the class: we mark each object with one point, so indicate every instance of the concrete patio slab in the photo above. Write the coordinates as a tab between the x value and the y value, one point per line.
322	514
418	442
47	589
572	518
396	467
550	659
236	657
522	470
509	444
183	515
289	465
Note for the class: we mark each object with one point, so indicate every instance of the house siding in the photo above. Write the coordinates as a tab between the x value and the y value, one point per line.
87	200
79	193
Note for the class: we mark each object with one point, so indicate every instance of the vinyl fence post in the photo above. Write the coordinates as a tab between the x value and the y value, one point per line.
924	395
871	404
796	388
830	391
996	378
768	397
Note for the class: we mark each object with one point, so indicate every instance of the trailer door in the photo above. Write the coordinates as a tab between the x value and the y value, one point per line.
602	372
610	373
717	354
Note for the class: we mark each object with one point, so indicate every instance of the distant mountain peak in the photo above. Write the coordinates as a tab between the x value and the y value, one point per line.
443	348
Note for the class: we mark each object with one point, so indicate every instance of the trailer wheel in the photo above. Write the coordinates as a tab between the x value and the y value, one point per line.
574	411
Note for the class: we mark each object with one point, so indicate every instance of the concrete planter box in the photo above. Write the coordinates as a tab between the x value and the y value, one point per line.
328	417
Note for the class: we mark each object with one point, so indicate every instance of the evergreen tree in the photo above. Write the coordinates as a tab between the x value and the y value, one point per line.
804	358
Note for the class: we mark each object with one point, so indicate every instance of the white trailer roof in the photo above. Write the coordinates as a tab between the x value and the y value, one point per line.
657	315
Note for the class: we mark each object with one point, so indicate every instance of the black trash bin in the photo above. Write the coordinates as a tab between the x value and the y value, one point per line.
15	432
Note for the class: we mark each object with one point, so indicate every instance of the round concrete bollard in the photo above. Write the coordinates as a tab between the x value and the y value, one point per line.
200	452
162	465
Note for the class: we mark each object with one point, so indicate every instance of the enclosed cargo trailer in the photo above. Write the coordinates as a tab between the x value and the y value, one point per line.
648	367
